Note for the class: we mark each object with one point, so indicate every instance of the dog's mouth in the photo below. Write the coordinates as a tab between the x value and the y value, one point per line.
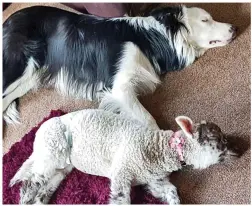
214	41
227	41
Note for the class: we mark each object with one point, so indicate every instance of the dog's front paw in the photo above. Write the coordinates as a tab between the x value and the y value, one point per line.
152	124
173	198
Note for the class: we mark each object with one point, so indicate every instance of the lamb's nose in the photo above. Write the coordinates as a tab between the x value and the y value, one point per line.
233	29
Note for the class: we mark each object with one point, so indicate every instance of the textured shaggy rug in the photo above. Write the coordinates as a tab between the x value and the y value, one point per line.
77	188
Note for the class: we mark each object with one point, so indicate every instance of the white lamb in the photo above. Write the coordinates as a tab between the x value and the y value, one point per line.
112	145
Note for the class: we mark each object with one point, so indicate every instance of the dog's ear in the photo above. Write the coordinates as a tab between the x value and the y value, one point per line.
186	124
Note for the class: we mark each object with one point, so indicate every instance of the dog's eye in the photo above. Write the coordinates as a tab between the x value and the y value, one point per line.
204	20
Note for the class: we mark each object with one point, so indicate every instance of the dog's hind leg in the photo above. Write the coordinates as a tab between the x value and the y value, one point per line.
28	80
11	114
44	194
21	90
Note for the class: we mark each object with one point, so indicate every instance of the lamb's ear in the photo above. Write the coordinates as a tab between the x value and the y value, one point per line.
186	124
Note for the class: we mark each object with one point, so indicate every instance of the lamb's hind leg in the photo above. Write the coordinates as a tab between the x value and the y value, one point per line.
30	188
28	191
50	152
44	194
39	188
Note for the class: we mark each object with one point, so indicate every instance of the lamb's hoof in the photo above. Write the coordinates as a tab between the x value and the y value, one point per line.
173	198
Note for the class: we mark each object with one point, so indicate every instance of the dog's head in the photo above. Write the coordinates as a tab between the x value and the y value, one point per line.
205	32
201	30
207	144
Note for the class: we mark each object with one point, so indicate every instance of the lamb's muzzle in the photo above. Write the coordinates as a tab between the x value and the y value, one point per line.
120	148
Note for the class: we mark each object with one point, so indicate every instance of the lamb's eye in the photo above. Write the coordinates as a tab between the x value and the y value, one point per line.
204	20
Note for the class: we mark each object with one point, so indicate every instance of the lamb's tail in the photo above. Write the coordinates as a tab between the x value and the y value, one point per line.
24	172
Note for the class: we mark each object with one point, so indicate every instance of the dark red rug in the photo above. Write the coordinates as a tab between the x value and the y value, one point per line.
77	188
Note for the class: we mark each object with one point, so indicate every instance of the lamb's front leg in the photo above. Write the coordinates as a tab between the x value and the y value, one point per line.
120	188
165	190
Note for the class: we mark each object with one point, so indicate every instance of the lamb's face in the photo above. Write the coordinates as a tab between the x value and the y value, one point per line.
210	143
210	137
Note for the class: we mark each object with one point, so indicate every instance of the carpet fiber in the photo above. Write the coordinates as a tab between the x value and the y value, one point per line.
216	88
77	188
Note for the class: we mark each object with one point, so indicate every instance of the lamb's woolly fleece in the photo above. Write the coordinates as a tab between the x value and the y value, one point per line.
77	188
112	145
99	142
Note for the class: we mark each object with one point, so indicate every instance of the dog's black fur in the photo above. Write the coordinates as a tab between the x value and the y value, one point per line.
88	47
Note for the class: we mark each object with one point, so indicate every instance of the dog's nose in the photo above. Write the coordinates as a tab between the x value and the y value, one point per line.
233	29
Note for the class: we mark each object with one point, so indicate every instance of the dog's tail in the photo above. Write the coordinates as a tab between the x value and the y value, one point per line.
24	172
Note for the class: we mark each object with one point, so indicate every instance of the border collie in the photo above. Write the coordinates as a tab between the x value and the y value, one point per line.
113	58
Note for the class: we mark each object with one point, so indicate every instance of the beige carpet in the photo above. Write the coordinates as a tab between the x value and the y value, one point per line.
215	88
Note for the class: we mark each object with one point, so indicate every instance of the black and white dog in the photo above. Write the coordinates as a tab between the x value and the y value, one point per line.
87	56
